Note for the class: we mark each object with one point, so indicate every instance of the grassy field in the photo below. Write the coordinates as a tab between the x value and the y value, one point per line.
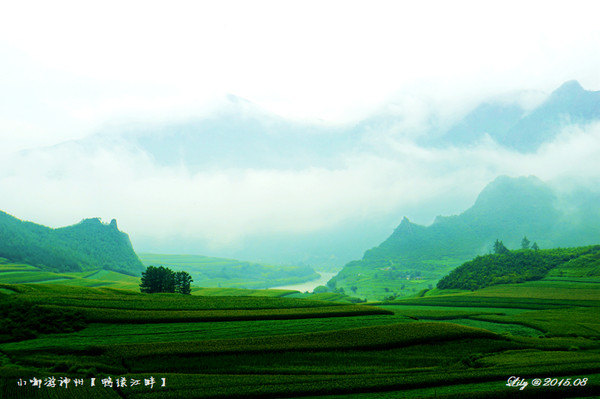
236	343
14	273
380	283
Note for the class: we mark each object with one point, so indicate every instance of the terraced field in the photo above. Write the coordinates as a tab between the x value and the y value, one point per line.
14	273
463	344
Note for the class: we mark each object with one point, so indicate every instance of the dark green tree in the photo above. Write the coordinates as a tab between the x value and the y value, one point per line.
535	246
525	243
499	248
182	283
157	279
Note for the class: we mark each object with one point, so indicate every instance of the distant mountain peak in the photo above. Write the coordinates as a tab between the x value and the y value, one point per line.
405	227
569	87
525	131
506	192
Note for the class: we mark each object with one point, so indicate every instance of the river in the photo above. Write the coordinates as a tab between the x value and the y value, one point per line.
309	285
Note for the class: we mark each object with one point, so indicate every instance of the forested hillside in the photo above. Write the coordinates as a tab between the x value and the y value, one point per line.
415	257
522	265
87	245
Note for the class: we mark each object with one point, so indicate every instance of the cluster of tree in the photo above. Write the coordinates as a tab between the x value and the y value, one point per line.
507	267
87	245
499	247
21	320
162	279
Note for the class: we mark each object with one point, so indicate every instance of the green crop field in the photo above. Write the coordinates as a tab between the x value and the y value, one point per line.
14	273
227	342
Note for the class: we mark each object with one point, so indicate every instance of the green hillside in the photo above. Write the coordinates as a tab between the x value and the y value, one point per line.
415	257
87	245
220	272
523	265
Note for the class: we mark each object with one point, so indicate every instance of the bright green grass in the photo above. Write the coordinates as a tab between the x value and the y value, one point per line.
115	306
19	267
22	274
63	295
29	277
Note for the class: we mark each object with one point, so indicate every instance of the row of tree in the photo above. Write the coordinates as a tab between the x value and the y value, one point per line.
499	247
162	279
508	267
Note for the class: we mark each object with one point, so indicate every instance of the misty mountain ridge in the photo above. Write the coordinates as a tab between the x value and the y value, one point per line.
240	134
87	245
511	126
507	209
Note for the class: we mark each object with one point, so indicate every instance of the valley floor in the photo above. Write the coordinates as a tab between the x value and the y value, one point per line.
464	344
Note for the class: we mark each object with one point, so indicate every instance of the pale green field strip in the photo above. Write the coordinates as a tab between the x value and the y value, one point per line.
442	313
8	272
543	290
203	291
17	266
499	328
489	301
29	277
129	300
583	322
584	280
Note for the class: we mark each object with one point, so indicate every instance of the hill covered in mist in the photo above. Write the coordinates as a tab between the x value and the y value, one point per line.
507	209
241	182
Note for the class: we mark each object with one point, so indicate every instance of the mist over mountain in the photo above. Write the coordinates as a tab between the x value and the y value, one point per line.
87	245
513	127
507	209
239	134
245	183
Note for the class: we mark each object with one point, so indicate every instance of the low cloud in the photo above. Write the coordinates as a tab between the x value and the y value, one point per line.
219	207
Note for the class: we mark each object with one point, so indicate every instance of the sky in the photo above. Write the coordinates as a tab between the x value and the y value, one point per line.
69	69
